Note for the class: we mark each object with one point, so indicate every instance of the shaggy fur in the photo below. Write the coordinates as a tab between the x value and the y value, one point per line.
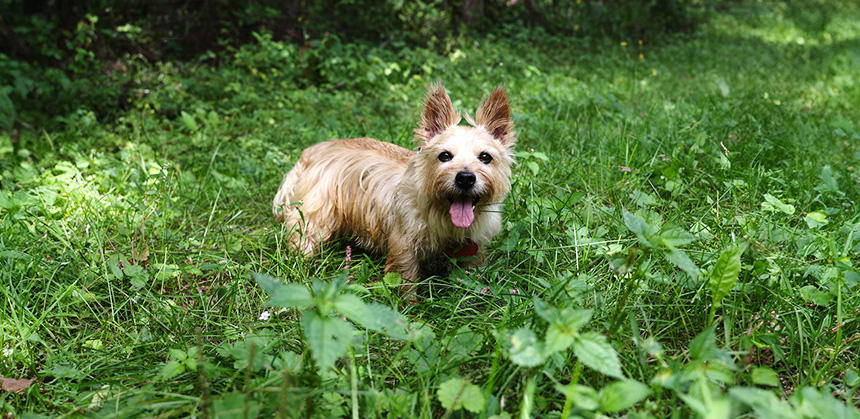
401	202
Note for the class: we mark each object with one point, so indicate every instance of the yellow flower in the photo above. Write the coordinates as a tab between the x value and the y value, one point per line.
641	56
654	71
300	19
624	43
640	42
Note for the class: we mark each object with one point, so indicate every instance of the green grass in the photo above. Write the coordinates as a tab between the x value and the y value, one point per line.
127	246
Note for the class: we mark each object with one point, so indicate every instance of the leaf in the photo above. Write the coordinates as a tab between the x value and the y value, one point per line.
241	351
192	358
852	379
574	319
284	295
171	369
680	259
813	295
15	385
718	370
392	278
829	183
177	354
622	395
464	342
473	399
13	254
643	231
165	271
288	360
327	337
562	331
457	393
137	276
596	353
773	204
816	219
524	349
544	310
764	376
811	402
643	199
725	274
557	339
704	346
763	402
372	316
533	166
189	121
723	87
113	263
235	405
63	371
673	237
540	155
583	397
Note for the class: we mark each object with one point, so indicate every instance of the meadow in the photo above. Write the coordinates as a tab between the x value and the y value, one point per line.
682	237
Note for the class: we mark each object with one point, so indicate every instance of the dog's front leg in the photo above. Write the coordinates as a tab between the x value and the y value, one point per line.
403	259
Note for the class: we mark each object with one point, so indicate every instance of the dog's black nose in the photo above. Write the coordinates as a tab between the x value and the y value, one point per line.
465	180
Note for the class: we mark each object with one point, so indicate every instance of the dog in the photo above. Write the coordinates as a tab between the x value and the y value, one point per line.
418	207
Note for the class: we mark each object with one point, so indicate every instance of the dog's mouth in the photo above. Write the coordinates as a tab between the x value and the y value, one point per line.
462	210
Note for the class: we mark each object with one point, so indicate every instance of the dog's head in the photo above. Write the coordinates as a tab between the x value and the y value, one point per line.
465	168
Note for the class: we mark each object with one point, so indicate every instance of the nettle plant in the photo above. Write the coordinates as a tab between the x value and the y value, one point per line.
563	332
329	336
665	241
706	382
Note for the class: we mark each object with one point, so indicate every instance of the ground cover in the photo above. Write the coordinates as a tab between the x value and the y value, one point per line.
682	236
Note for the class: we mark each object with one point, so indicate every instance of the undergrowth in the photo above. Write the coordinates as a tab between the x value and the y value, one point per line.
682	237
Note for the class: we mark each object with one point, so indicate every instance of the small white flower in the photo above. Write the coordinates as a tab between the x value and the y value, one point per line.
265	315
7	352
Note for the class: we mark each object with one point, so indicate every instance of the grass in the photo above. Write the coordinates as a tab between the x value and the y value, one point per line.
127	246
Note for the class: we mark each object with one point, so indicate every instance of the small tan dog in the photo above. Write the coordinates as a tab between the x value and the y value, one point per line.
415	206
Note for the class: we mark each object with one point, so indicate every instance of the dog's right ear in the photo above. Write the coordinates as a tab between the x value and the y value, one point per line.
437	115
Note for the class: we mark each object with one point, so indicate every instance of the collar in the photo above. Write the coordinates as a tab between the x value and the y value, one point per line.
467	248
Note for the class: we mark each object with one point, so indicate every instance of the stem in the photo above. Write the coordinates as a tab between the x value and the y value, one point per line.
203	381
492	380
631	284
354	380
574	378
246	389
285	387
528	397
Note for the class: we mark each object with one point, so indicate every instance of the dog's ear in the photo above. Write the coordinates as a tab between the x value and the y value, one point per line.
438	114
495	116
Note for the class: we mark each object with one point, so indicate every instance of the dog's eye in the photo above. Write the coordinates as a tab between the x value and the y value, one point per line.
445	156
485	158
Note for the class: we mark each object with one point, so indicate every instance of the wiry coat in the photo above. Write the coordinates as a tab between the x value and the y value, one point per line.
401	202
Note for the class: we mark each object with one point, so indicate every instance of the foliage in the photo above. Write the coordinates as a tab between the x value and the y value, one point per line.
329	336
60	55
682	235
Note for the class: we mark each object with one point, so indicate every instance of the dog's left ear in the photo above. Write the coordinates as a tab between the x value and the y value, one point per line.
495	116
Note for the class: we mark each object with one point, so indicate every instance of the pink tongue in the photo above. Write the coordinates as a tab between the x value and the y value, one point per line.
461	214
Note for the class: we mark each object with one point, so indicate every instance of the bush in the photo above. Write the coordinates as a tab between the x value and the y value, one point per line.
64	56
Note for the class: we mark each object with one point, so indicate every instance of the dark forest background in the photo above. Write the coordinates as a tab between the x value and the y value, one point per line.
58	55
